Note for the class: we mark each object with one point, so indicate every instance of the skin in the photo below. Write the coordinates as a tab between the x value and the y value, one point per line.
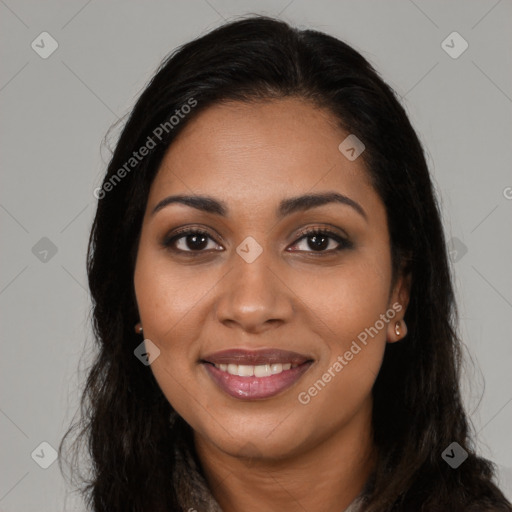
275	453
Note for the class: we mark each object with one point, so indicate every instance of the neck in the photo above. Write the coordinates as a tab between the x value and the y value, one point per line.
325	477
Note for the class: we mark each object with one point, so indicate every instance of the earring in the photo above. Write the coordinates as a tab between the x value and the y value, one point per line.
138	328
397	328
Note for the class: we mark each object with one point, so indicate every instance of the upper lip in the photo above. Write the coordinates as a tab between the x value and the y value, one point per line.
255	357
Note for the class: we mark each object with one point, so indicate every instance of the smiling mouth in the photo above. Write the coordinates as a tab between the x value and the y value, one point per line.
251	375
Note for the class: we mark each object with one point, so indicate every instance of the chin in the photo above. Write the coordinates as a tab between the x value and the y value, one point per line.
257	443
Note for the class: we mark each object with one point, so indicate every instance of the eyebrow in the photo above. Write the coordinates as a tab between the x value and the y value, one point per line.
286	207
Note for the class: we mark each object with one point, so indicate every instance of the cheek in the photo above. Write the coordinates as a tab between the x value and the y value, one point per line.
167	292
175	382
349	298
354	334
352	304
165	302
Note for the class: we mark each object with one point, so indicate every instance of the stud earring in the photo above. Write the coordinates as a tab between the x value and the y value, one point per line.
138	328
397	328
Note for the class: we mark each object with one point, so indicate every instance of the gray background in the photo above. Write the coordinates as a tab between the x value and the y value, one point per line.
56	111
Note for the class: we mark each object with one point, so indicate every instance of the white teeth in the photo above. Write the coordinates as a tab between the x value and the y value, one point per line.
245	370
262	370
276	368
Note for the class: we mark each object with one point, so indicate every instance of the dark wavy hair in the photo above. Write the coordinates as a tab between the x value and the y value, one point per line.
418	410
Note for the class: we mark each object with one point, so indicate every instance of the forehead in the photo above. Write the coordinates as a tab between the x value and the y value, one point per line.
249	153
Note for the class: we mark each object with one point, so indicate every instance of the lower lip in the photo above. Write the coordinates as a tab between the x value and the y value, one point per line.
252	388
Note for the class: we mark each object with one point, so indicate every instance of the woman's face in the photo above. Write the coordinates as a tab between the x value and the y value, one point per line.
253	281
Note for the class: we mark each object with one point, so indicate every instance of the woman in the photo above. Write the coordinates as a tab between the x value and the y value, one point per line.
272	297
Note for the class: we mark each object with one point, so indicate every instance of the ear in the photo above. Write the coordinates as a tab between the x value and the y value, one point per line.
399	300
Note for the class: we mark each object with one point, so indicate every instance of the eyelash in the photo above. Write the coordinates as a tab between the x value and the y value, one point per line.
182	233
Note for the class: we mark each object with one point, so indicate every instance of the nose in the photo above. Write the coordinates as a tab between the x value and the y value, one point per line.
253	296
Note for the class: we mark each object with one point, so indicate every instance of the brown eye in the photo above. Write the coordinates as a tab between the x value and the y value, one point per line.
188	240
318	240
